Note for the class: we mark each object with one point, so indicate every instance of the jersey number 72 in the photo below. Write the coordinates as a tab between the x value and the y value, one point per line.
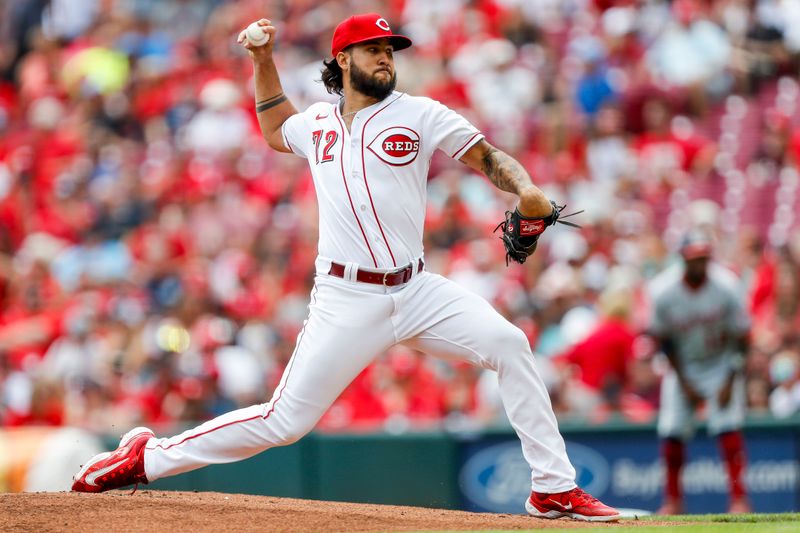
330	140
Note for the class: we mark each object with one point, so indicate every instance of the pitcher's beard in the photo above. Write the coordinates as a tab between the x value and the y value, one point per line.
369	85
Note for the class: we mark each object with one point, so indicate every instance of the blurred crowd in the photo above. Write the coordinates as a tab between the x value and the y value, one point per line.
156	258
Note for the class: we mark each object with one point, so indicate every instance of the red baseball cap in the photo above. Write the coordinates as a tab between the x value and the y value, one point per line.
366	27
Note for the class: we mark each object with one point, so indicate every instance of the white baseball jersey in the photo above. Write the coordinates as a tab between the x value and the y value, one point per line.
371	181
371	189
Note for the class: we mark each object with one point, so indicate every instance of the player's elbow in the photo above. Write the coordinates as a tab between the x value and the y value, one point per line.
275	140
278	146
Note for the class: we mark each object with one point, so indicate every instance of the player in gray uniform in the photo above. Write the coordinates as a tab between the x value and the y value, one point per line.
702	326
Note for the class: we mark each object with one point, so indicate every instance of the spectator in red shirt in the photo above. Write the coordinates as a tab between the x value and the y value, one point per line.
600	362
359	406
408	389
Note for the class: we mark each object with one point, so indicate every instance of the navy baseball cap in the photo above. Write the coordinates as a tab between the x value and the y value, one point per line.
696	244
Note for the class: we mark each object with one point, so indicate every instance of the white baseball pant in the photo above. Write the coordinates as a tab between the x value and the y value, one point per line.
349	325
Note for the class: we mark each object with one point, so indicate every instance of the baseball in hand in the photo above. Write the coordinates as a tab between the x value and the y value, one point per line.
256	35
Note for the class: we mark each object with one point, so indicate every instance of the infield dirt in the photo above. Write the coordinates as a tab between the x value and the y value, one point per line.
148	510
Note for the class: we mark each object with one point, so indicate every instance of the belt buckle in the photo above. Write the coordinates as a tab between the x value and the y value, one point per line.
395	271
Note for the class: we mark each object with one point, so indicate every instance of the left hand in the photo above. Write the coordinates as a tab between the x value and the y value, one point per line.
521	232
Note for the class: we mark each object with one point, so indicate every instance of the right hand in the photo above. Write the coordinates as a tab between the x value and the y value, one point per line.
266	24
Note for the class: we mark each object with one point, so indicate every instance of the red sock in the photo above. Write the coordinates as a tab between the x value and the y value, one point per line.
674	452
732	448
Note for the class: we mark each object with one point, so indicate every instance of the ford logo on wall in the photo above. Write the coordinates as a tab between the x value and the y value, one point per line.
497	478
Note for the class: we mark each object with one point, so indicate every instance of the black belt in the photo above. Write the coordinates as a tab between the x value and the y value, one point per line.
389	279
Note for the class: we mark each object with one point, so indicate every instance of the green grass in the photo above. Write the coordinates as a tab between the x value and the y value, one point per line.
694	528
784	527
751	518
767	523
729	523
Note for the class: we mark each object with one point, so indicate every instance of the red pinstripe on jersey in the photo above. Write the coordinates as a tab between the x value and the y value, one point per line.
364	169
274	403
344	179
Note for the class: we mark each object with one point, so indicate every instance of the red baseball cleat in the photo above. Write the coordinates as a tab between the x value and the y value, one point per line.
574	503
112	470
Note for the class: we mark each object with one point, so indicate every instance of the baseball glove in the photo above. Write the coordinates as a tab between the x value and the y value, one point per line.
521	234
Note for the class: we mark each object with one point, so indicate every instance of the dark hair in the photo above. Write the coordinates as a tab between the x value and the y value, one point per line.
332	76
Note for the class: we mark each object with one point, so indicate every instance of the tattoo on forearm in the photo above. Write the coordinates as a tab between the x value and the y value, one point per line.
271	98
271	102
504	171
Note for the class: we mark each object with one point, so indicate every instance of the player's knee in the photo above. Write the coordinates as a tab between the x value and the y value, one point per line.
301	426
518	342
294	434
292	437
290	430
509	343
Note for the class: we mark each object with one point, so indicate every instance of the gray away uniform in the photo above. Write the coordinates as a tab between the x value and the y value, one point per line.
703	325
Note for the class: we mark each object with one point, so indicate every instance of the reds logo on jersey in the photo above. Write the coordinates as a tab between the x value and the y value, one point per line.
397	145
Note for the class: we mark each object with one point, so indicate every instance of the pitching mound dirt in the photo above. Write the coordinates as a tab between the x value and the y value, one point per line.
210	511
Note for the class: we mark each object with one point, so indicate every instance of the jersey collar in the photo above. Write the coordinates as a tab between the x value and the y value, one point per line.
340	103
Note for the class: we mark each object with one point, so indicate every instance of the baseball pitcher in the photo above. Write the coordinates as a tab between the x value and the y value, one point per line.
369	155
